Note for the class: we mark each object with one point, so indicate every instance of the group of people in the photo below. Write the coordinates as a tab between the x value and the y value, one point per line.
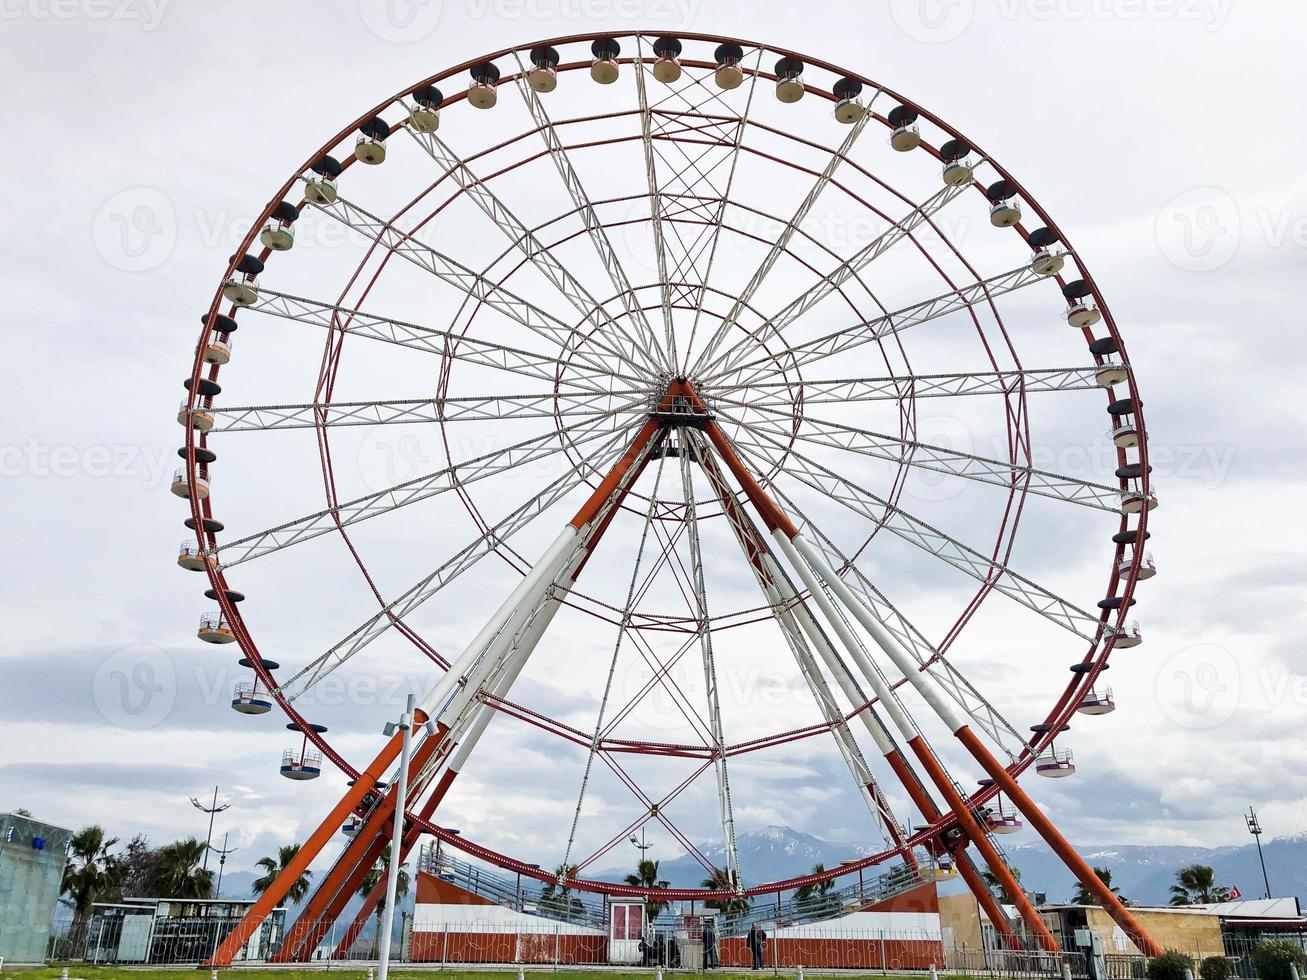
667	951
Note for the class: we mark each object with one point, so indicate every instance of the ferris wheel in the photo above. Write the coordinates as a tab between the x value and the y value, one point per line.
777	349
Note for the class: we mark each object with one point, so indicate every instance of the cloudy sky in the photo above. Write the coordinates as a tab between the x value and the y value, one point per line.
1163	137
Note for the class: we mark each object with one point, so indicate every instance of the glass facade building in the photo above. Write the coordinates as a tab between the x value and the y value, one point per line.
32	859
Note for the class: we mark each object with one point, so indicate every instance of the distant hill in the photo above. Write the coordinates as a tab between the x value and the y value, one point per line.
1144	873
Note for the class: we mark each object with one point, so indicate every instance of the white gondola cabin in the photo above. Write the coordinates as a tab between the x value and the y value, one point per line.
279	233
242	289
214	628
729	75
789	80
667	66
1004	209
1080	311
958	167
425	115
542	76
321	187
604	68
181	484
483	93
304	762
1046	258
370	144
904	134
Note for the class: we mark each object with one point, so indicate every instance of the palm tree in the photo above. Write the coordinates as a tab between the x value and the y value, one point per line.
1196	885
1083	896
557	899
991	880
812	897
178	873
93	871
377	873
646	876
273	867
721	880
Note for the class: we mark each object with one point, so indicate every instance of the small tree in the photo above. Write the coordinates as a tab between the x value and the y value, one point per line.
178	872
272	869
1196	885
1215	968
93	870
1171	965
557	899
376	875
646	876
1083	896
815	898
1272	959
991	880
721	880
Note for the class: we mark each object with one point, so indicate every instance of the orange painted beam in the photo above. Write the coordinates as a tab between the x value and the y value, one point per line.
979	888
309	850
1061	847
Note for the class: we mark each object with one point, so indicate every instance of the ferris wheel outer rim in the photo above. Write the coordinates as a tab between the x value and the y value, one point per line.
1097	654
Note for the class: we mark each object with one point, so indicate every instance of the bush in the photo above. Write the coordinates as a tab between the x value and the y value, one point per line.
1171	965
1272	958
1215	968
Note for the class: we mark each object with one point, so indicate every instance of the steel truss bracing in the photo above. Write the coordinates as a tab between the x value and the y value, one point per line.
676	410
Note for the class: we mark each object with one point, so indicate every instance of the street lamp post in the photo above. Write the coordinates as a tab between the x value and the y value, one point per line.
211	810
404	725
1255	828
222	860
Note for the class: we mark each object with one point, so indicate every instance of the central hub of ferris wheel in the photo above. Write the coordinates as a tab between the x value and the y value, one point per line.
744	373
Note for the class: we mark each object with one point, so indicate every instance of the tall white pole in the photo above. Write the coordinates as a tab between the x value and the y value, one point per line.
392	873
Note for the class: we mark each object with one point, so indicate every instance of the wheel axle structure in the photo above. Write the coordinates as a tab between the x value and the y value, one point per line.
672	294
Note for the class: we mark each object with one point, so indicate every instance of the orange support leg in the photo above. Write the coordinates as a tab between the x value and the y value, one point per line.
926	806
310	849
1077	865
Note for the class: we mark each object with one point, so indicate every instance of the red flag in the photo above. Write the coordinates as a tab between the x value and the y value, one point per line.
1235	893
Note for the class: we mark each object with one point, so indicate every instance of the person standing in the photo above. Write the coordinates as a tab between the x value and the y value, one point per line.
710	960
755	941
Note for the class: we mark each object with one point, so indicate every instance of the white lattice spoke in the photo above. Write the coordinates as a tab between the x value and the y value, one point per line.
936	459
593	225
843	391
779	597
426	588
835	280
421	488
782	242
709	668
963	693
719	218
584	349
655	201
445	343
801	355
562	404
771	453
633	350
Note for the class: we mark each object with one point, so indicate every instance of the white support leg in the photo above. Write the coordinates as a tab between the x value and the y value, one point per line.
529	590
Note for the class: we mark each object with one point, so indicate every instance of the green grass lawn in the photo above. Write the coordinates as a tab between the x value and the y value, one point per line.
77	971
